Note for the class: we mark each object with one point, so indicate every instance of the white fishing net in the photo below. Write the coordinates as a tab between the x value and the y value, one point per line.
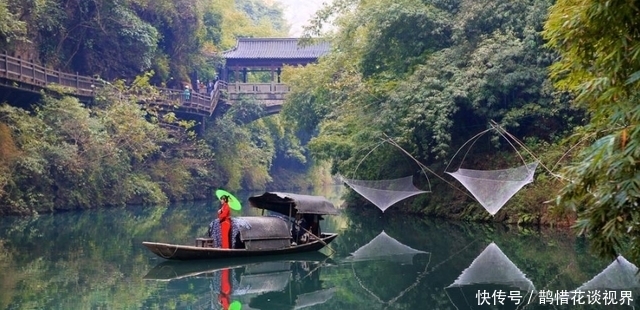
619	275
385	247
384	193
493	188
493	267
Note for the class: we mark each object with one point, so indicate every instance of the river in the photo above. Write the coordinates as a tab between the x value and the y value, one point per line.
94	260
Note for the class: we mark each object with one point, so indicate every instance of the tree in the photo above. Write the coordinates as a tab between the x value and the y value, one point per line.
10	27
431	74
599	45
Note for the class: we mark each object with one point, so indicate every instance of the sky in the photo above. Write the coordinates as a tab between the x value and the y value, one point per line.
298	13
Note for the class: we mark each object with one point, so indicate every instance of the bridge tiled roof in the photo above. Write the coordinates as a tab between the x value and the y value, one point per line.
275	48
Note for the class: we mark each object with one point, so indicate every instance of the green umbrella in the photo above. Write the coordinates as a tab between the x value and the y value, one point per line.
234	203
236	305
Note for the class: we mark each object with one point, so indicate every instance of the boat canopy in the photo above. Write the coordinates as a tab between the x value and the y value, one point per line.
265	233
286	203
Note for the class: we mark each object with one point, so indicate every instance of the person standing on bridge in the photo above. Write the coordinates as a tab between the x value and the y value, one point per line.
187	93
209	87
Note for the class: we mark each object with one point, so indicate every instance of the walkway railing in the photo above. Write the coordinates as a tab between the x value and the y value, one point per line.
258	88
26	72
28	75
193	101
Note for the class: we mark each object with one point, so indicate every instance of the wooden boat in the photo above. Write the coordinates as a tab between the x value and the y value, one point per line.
187	252
260	235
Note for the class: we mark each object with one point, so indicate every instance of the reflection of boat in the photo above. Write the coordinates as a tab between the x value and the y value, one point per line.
174	270
258	236
291	282
491	271
314	298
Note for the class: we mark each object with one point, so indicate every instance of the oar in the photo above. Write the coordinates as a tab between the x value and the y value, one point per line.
317	238
314	269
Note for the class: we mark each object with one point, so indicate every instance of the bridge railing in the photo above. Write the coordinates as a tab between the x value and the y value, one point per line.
258	88
193	100
16	69
27	74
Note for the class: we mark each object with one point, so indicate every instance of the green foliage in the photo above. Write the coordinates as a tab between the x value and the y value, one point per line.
238	23
120	39
261	12
389	46
600	57
430	74
240	159
66	155
72	156
10	27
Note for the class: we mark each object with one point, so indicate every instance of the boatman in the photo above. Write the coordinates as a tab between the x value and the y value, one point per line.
224	216
301	229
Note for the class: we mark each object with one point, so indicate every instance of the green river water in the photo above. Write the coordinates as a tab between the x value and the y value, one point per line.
95	260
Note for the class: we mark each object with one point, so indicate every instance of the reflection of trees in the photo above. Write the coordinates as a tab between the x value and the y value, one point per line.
94	258
87	258
403	277
9	280
453	246
393	297
491	271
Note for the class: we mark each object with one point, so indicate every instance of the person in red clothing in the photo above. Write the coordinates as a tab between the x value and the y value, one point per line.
224	298
224	216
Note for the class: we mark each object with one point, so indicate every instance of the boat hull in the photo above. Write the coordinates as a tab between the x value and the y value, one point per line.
187	252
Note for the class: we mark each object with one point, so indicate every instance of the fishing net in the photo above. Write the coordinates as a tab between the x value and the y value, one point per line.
384	193
619	275
493	267
493	188
385	247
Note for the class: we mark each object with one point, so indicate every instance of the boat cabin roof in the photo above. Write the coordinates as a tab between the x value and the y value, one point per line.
291	204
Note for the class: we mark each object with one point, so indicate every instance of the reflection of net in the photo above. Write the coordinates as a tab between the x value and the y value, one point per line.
384	193
493	267
385	247
619	275
493	188
403	292
412	286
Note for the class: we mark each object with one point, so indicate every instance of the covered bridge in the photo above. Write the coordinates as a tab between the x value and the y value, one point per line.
254	66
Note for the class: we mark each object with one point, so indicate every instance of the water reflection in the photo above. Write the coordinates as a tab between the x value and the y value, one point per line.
616	285
385	247
384	251
268	283
491	280
619	275
95	260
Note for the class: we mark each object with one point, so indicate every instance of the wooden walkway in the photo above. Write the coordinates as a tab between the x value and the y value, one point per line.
27	76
